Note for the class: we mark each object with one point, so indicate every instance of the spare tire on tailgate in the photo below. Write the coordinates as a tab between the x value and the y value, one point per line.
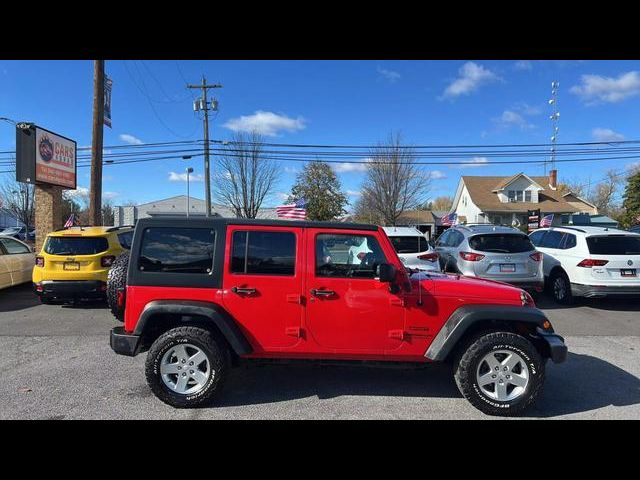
117	280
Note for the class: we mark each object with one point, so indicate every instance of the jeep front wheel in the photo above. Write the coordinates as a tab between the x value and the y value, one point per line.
185	367
500	373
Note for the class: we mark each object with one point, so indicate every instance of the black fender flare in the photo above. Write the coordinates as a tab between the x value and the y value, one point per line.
209	311
464	317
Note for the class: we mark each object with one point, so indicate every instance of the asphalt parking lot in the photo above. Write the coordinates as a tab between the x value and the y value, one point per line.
55	363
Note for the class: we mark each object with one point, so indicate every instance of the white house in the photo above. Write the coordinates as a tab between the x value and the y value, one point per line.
505	200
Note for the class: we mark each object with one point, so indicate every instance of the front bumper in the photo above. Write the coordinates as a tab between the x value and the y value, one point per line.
591	291
124	343
554	344
71	288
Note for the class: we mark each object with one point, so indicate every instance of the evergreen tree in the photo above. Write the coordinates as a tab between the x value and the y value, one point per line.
631	204
321	188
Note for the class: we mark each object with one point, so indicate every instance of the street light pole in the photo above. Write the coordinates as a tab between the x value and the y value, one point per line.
189	170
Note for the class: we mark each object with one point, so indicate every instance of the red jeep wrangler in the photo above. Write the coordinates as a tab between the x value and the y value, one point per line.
204	294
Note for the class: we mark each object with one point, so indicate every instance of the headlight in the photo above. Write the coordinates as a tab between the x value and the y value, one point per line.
526	299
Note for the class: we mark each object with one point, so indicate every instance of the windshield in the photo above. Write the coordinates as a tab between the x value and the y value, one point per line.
501	243
614	245
409	244
76	245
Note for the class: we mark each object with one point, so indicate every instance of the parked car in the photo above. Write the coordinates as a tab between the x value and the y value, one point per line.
21	233
589	261
413	248
635	229
74	262
16	262
203	294
493	252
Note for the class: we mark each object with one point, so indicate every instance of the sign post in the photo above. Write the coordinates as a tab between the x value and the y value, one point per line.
49	161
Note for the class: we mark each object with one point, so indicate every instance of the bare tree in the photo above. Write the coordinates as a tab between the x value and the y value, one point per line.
18	199
244	176
604	196
393	181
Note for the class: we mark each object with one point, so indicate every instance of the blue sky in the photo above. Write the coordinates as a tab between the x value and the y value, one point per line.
328	102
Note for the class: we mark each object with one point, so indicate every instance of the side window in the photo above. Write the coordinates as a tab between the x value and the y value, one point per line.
255	252
347	256
536	237
552	239
177	250
569	241
442	239
11	246
125	239
456	239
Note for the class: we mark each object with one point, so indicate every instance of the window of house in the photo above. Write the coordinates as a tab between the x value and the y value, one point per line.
527	195
512	195
519	195
257	252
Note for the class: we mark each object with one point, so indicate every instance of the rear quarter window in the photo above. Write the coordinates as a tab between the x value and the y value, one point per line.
501	243
406	244
177	250
76	245
614	245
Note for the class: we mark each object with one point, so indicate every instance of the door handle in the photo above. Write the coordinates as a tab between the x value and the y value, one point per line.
243	291
322	293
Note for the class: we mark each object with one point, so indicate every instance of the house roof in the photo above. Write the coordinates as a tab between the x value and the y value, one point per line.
508	180
481	190
417	217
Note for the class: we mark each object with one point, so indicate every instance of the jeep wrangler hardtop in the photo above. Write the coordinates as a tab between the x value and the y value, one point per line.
204	294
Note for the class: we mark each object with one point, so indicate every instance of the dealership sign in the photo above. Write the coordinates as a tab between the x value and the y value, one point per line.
45	157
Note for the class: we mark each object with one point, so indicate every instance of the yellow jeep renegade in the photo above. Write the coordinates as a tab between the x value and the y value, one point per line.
74	262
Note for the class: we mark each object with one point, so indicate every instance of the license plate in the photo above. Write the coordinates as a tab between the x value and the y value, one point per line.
71	266
508	267
628	272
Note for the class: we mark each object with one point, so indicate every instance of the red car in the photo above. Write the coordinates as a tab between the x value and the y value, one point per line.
203	295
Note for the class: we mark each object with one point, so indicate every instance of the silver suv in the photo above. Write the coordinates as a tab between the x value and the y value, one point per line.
490	251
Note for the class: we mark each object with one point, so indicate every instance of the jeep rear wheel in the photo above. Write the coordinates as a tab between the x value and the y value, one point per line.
500	373
185	367
116	280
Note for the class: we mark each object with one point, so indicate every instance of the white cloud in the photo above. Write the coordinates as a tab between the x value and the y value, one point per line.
437	174
471	76
282	196
130	139
291	169
509	118
354	193
110	195
606	135
265	123
182	177
523	65
598	89
351	167
78	193
389	75
474	163
527	109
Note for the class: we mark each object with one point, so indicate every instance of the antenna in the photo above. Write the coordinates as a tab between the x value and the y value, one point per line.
555	115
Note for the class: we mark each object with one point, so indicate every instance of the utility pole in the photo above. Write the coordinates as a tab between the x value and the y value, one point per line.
95	189
203	104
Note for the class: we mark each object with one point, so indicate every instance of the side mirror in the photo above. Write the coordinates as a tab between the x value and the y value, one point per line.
386	272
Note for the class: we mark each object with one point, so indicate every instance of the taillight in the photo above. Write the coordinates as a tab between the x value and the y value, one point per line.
429	257
536	257
120	298
107	261
471	257
590	262
39	261
39	288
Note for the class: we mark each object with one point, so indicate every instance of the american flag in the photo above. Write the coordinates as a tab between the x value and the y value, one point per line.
295	211
70	221
546	221
450	219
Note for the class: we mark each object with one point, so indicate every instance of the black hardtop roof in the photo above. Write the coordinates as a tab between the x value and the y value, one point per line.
200	220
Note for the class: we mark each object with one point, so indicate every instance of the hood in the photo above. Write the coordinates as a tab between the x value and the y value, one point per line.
452	285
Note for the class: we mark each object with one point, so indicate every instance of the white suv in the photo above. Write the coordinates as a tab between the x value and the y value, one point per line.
413	248
589	261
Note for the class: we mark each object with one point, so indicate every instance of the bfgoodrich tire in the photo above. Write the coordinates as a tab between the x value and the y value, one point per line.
500	373
186	367
117	279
